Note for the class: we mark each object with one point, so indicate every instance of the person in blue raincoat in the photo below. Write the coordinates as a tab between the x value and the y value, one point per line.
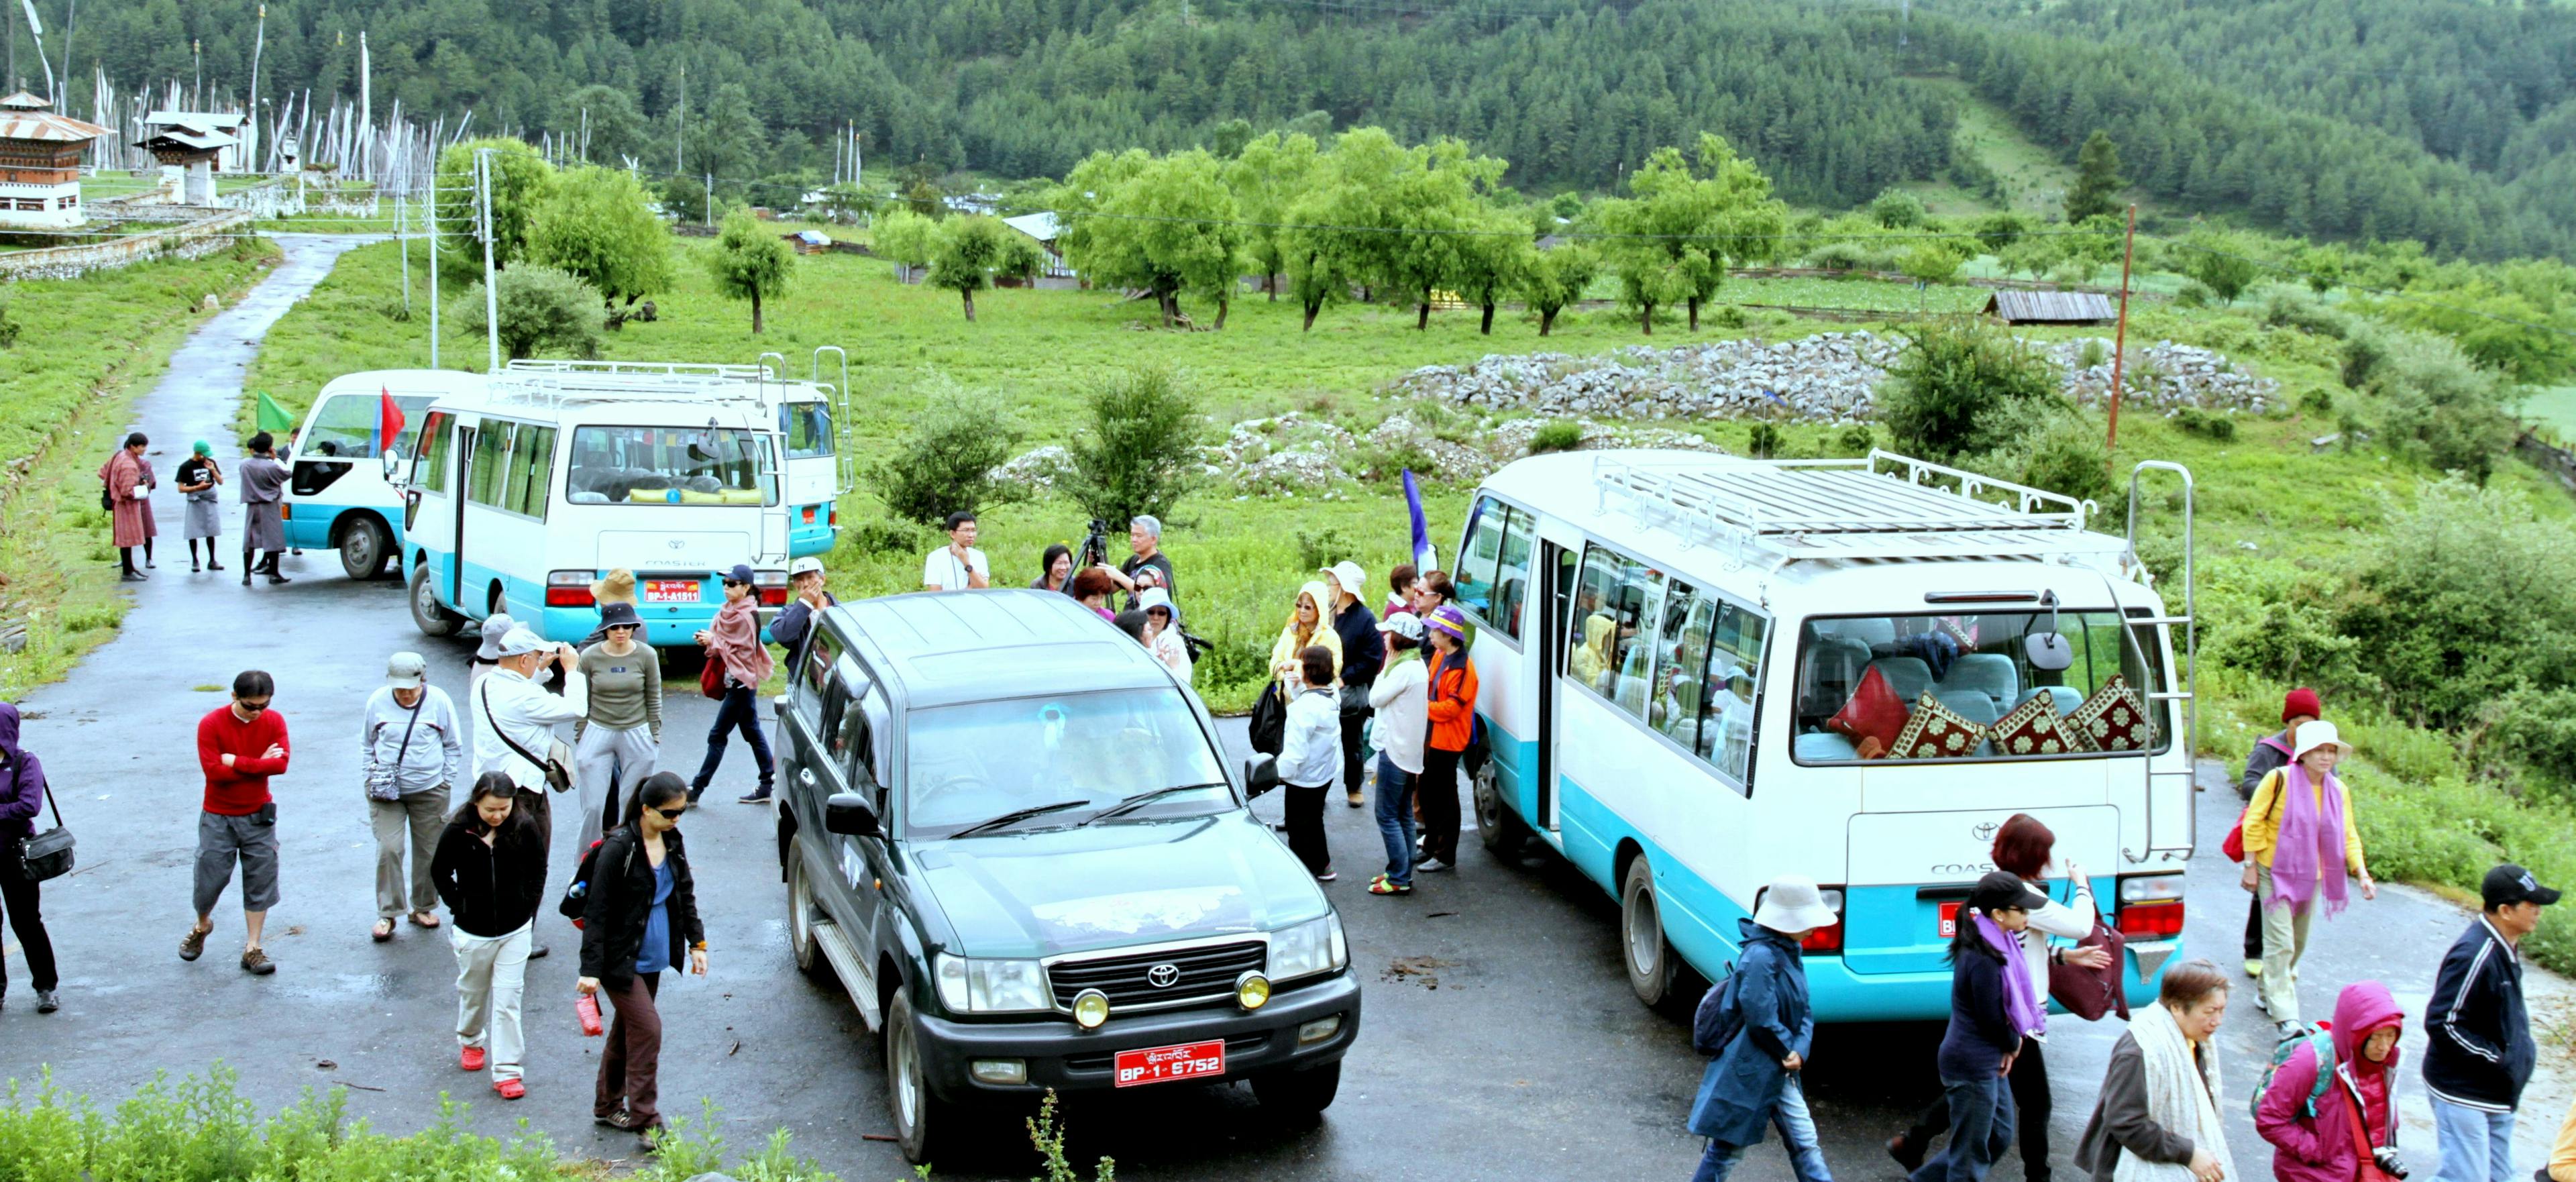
1758	1024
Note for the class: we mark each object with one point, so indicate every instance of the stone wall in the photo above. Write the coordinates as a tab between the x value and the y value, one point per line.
2554	460
207	231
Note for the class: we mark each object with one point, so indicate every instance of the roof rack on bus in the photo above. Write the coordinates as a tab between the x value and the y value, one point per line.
1884	506
556	382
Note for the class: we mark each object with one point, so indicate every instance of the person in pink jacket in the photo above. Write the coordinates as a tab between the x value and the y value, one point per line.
2350	1137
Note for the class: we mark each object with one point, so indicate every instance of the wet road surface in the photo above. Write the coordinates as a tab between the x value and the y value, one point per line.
1500	1038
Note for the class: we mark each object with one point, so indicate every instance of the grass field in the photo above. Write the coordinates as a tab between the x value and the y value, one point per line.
2553	407
84	349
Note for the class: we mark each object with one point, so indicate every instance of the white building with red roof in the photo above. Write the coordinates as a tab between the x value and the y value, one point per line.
40	154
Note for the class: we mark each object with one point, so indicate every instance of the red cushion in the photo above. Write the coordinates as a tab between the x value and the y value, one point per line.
1874	711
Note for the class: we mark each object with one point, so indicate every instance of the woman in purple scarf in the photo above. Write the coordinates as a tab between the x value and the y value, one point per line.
1993	1007
22	795
2300	844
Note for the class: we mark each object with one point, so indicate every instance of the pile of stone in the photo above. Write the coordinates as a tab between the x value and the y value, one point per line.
1035	469
2164	375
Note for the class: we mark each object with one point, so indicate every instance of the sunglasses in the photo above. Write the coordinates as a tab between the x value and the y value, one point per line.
672	814
251	707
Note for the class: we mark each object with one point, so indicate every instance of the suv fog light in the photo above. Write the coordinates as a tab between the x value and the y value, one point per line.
1251	990
1319	1030
1001	1071
1090	1009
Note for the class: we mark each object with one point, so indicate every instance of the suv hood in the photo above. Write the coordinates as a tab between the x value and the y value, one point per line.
1116	884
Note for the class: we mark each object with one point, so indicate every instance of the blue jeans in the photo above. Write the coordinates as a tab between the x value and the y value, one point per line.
1395	819
1797	1131
1981	1128
2476	1146
740	710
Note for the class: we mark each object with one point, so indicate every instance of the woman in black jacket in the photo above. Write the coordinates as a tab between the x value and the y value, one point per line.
640	917
490	868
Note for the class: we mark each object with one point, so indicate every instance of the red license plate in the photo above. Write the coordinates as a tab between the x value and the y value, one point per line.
670	590
1164	1064
1949	925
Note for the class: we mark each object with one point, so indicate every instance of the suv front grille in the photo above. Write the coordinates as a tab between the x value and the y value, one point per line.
1202	974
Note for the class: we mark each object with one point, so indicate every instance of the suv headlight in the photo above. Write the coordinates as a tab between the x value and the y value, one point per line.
971	986
1315	946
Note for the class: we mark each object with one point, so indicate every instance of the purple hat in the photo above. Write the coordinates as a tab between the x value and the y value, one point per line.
1447	618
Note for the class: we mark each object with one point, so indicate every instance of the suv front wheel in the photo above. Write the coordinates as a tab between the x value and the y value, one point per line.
800	921
1299	1095
919	1116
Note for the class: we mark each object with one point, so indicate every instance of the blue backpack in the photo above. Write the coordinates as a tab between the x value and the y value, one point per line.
2323	1042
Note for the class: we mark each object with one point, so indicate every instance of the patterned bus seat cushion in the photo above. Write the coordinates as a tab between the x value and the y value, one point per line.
2113	719
1936	732
2034	728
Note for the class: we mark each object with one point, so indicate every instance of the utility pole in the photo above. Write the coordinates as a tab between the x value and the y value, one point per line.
402	231
1904	20
711	199
2120	336
433	268
491	285
680	136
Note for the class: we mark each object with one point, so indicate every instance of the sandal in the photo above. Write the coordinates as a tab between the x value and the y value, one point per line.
384	931
424	919
1386	887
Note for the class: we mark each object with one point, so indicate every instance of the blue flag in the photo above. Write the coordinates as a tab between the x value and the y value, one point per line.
1424	557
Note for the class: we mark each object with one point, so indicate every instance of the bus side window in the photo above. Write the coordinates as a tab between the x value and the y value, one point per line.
430	473
1512	572
1681	668
1734	677
484	485
1473	574
1617	598
532	467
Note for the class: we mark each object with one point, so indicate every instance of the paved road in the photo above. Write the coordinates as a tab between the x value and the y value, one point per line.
1519	1054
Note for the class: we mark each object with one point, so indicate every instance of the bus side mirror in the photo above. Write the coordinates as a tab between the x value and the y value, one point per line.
393	466
1260	774
2048	651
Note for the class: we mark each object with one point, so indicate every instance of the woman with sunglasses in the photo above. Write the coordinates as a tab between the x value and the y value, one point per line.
619	736
490	870
640	917
734	636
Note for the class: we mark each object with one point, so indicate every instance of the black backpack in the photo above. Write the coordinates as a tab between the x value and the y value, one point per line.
576	898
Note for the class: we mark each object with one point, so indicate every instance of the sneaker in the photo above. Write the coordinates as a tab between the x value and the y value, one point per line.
1390	887
257	964
759	797
1357	800
2253	968
2261	1002
47	1002
538	952
1431	866
195	944
1907	1152
696	791
1327	876
470	1058
510	1089
2290	1030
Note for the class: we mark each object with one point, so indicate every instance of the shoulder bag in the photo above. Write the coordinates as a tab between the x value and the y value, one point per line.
2234	844
557	761
48	854
2091	993
386	783
1269	730
711	676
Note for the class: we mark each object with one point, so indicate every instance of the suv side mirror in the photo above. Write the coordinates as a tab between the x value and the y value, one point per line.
850	815
1260	774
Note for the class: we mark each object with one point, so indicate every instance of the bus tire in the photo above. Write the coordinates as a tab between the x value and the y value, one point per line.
366	547
427	613
1642	949
1504	833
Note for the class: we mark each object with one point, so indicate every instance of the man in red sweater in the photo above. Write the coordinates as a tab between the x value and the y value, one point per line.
241	744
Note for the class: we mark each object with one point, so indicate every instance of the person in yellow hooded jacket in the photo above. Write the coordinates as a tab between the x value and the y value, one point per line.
1305	627
2301	842
1591	662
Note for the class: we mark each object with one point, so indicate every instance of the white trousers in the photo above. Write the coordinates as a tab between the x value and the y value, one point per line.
491	977
609	762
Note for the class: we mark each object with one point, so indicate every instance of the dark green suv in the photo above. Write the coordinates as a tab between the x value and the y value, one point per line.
1010	833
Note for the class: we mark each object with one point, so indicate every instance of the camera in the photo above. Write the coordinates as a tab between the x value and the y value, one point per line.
1095	548
2385	1157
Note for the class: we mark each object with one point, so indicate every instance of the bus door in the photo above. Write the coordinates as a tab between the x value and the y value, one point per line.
465	435
777	520
1556	608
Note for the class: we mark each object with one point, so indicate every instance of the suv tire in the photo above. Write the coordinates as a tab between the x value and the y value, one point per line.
1299	1095
1642	948
921	1119
800	924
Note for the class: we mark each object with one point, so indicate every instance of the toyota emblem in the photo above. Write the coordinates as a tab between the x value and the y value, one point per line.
1163	976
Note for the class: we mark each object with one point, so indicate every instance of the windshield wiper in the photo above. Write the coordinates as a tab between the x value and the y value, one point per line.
1141	799
1019	815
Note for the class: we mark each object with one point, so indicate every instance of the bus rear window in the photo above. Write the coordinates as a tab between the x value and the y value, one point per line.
1961	686
669	466
808	428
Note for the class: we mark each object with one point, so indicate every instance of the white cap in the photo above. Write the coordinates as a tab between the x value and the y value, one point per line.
519	642
805	566
1347	573
406	670
1793	903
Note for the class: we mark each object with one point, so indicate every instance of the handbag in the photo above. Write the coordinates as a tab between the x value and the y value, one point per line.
711	676
1269	720
2234	845
48	854
558	758
2091	993
385	785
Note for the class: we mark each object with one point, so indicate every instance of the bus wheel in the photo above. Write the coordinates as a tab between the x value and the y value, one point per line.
427	614
365	547
1503	832
1641	936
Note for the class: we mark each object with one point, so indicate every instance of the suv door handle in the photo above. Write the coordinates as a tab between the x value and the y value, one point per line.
805	776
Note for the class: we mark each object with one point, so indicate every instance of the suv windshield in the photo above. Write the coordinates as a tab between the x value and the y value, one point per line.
967	764
669	466
1961	686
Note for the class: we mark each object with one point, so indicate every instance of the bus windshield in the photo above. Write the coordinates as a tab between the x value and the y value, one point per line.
808	428
347	427
669	466
1962	686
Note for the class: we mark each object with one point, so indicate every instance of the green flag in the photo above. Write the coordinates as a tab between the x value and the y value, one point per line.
273	417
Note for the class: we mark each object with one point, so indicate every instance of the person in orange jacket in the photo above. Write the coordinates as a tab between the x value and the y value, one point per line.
1453	723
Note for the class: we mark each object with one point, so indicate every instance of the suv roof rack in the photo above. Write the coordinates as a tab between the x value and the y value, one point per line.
1884	506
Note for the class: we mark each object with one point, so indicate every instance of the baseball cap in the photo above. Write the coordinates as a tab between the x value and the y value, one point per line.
495	626
2513	884
519	642
406	670
1404	624
805	566
741	573
1447	619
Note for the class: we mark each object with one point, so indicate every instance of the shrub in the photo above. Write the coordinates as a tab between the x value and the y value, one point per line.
2466	597
2536	730
2092	353
1730	317
8	328
1556	435
2220	428
1839	256
1856	440
1316	551
2194	294
883	537
2442	407
542	309
2048	444
945	464
1897	209
2363	351
2316	400
1950	379
1764	441
1139	453
2289	309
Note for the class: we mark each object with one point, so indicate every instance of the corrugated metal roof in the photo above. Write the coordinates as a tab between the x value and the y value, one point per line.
1042	226
23	116
2049	307
208	142
201	120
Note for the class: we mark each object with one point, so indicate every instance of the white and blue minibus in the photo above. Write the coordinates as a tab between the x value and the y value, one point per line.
811	414
339	495
528	489
1697	673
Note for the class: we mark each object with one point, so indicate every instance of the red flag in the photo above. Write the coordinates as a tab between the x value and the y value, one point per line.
389	421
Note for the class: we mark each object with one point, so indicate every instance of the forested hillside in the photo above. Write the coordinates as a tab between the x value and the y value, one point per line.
2446	121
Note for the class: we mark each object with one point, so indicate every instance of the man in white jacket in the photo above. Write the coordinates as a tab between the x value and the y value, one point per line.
515	720
1309	752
